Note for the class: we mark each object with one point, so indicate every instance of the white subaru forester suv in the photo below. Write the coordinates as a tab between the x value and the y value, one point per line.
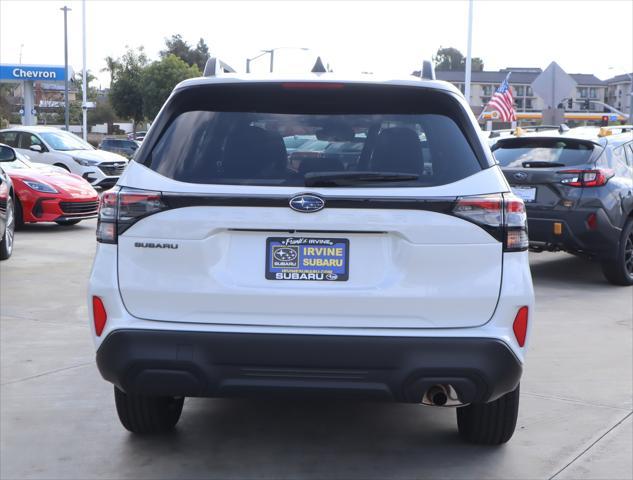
226	267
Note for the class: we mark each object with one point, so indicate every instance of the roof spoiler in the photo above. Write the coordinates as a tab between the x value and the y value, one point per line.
215	67
428	70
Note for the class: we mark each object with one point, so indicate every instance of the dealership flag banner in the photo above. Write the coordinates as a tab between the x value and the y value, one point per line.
503	102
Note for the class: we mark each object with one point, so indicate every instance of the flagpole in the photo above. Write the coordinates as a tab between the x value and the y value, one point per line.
469	52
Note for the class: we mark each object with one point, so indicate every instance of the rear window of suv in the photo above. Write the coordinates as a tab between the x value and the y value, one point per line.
397	136
520	152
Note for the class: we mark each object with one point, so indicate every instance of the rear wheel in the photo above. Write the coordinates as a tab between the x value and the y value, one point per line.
489	423
19	214
6	245
67	222
146	414
619	270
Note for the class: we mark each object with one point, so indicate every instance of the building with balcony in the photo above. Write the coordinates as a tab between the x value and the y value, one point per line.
484	83
619	92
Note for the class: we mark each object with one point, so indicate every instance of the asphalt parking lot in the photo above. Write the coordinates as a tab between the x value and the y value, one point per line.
58	418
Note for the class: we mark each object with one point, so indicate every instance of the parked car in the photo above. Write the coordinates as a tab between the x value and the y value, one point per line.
139	136
221	271
44	195
344	152
311	149
66	150
124	147
293	142
7	206
578	191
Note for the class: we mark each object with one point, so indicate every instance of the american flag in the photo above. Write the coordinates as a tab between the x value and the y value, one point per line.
503	102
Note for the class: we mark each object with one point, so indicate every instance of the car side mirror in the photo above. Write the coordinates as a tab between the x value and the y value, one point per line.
36	148
7	154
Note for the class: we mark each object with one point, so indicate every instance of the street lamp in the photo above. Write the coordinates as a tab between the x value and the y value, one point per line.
270	52
65	9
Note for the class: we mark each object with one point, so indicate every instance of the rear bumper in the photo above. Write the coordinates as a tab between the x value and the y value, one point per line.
211	364
576	235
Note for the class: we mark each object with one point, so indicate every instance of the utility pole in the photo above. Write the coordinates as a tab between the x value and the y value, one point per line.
469	52
66	107
84	83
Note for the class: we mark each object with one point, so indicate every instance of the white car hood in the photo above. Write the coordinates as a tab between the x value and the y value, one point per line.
98	155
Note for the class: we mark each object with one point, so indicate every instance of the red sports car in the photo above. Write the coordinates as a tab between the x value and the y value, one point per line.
49	194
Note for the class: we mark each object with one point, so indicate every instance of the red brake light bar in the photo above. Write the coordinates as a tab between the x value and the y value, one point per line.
312	86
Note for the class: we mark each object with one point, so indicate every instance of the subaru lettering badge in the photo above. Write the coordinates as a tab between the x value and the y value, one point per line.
307	203
520	175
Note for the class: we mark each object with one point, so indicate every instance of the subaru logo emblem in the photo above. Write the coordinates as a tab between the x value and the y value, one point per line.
520	175
306	203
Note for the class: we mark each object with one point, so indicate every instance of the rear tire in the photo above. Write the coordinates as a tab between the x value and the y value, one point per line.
489	423
145	414
619	271
66	223
6	245
19	215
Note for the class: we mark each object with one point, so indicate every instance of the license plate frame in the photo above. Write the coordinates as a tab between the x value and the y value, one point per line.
286	259
527	194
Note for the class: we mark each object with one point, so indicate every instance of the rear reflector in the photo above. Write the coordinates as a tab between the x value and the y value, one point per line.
99	315
520	325
592	221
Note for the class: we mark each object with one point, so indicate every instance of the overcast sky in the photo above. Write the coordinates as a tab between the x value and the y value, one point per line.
379	36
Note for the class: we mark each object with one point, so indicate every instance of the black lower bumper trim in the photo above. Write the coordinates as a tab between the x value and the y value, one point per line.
206	364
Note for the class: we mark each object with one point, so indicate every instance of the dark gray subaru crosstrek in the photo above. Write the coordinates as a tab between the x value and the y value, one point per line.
578	192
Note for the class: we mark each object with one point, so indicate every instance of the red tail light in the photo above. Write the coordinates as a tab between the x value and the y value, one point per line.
99	315
121	208
501	215
520	325
587	178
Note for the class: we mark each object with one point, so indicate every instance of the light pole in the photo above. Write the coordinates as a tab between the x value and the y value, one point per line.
270	52
84	83
65	9
469	53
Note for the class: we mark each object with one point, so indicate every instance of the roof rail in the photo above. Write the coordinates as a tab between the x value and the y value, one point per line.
215	67
428	70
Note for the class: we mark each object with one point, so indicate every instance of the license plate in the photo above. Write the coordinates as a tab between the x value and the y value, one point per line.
314	259
527	194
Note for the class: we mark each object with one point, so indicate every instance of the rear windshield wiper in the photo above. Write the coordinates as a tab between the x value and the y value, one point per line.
541	164
342	179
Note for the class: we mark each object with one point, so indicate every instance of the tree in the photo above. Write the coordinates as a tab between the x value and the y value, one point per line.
191	56
160	78
451	59
5	105
102	113
126	92
112	65
91	93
